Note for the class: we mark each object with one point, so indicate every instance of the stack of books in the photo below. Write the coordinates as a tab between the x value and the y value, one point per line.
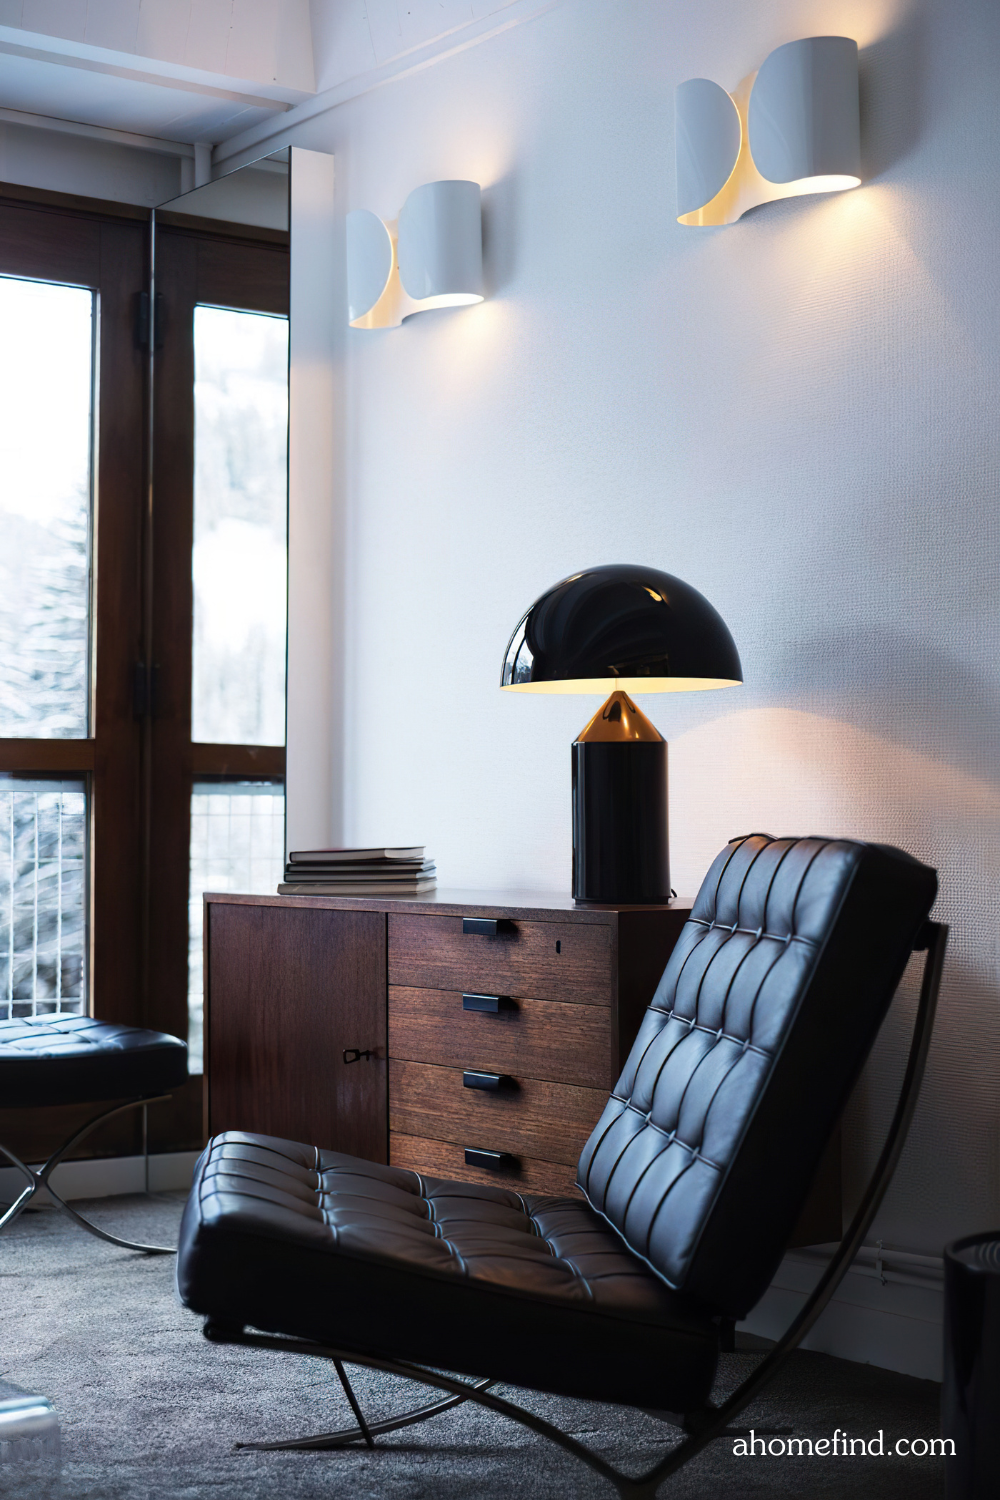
358	872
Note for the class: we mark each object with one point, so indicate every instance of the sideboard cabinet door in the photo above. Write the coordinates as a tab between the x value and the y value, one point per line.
287	992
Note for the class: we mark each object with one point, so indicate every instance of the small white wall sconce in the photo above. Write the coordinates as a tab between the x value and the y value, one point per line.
431	256
792	127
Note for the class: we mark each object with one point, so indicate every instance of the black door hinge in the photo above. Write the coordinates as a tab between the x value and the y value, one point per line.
143	331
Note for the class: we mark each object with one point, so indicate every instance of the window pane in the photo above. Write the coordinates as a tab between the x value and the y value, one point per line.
45	442
43	882
240	527
237	844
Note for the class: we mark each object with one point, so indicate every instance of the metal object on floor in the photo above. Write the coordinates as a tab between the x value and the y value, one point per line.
703	1426
40	1179
29	1427
349	1435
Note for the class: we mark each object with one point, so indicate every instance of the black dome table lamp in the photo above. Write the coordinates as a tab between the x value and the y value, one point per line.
634	630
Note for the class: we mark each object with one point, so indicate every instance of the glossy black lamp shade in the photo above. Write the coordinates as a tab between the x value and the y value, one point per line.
620	630
624	627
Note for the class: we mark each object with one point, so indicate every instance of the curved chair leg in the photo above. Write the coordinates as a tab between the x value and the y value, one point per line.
21	1202
40	1179
348	1435
710	1422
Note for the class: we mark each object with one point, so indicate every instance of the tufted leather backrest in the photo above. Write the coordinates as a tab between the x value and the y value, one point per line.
744	1060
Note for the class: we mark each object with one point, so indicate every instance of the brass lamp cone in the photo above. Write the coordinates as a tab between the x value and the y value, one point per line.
618	719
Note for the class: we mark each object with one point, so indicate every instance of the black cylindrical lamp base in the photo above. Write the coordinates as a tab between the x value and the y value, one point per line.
971	1397
620	822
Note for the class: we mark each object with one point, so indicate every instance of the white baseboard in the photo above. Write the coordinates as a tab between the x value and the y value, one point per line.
897	1324
107	1176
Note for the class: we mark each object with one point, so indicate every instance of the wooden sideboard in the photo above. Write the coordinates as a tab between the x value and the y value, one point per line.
504	1039
494	1025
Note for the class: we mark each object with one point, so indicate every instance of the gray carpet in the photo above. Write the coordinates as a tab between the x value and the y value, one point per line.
149	1409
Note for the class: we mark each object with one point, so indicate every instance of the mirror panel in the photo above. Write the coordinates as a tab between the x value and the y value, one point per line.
255	196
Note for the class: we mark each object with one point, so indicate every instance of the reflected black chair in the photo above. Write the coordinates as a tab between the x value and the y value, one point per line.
693	1180
49	1060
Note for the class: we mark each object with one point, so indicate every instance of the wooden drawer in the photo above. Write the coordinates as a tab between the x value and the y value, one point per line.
544	1121
548	960
534	1039
444	1159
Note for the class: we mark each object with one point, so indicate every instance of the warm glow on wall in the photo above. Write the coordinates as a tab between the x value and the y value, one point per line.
790	128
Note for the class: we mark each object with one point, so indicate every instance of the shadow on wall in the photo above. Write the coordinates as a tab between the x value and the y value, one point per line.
900	688
891	75
790	771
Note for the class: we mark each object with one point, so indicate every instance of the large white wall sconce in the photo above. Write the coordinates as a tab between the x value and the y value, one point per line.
431	256
790	128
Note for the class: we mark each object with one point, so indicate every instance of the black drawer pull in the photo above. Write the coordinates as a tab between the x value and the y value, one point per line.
354	1054
472	1078
493	1161
491	1004
486	926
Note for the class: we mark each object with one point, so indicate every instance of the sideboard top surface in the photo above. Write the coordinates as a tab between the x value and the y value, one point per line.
538	906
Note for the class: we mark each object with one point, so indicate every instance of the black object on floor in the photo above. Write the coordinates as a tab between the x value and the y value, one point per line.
971	1405
100	1331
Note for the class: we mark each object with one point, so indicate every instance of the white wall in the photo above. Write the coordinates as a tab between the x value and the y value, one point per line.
92	168
797	414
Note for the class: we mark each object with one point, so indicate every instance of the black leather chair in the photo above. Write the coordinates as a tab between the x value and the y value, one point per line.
693	1178
48	1060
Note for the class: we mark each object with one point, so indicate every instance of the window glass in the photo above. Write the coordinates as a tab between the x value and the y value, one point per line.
46	396
240	527
43	882
237	844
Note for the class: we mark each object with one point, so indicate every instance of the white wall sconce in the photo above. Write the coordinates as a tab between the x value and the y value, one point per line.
790	128
431	256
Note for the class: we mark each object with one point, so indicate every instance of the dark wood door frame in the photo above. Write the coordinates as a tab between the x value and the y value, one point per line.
58	238
108	255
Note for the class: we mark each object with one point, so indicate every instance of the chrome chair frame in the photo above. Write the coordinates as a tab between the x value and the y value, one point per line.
38	1180
700	1427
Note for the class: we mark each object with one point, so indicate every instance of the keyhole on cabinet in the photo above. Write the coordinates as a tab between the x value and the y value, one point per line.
559	947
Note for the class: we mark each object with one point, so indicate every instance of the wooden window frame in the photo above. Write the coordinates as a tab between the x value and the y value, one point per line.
139	765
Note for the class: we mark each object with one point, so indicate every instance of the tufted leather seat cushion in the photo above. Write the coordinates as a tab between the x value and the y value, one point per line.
371	1258
757	1032
75	1059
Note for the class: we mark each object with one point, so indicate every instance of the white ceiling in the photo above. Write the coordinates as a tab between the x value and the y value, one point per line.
164	109
205	70
181	70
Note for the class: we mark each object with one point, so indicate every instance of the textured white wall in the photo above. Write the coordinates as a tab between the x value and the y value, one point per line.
798	414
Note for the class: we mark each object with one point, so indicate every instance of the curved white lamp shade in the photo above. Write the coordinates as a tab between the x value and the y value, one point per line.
440	245
431	257
803	116
797	132
707	142
369	262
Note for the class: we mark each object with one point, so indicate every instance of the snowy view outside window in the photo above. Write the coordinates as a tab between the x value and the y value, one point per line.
240	527
45	434
45	507
237	844
240	568
43	849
